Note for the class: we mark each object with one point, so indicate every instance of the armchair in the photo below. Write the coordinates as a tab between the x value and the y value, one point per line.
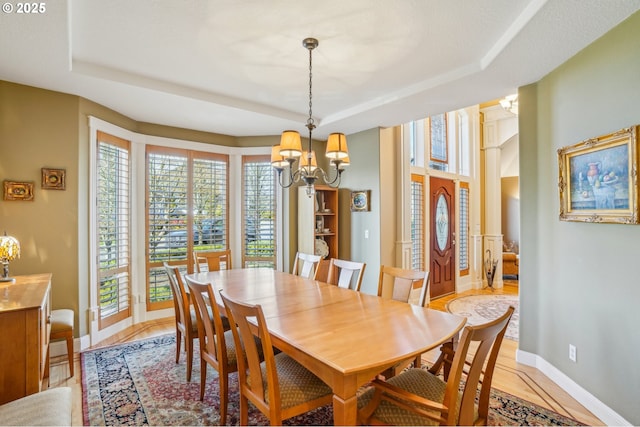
510	264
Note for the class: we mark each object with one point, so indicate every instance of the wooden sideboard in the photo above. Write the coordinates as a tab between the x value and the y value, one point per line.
25	309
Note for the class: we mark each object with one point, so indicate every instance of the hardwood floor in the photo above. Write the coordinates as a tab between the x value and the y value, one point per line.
522	381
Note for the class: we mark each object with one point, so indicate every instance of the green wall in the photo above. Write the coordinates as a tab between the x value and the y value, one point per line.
579	281
363	174
39	128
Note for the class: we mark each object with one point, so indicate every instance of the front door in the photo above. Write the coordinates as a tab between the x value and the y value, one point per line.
442	237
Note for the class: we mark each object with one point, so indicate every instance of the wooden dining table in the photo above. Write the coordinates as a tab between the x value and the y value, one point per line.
344	337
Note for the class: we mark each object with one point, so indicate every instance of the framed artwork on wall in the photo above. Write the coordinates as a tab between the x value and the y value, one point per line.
598	179
18	191
53	179
360	200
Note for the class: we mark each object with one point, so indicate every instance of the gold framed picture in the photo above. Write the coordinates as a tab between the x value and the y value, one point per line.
360	200
598	179
18	191
53	179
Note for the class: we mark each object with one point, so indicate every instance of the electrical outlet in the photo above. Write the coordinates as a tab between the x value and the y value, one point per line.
572	353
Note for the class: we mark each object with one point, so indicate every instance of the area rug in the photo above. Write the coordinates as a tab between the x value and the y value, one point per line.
139	383
480	309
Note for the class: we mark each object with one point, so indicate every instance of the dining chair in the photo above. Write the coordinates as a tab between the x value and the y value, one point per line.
306	265
418	397
186	325
341	273
215	260
278	386
397	284
217	347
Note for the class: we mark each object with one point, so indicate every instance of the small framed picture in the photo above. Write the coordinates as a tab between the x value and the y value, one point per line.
18	191
53	179
360	200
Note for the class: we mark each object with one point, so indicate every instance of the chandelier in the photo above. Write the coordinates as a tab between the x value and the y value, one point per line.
510	103
284	155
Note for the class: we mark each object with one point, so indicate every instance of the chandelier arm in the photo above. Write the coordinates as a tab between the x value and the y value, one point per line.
336	179
281	179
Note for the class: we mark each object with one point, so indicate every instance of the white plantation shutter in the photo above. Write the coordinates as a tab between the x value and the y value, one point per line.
259	208
113	226
187	204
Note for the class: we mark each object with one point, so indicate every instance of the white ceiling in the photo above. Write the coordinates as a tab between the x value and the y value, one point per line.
238	67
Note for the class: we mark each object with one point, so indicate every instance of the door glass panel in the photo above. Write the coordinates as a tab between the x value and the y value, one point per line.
442	222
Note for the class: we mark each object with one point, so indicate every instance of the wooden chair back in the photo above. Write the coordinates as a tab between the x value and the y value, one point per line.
342	273
180	297
397	284
262	386
214	260
306	265
304	391
458	406
489	337
184	322
214	343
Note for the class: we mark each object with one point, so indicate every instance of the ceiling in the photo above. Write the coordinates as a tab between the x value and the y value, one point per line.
238	67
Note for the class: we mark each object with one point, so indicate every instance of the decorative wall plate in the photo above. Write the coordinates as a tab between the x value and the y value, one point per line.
360	200
322	248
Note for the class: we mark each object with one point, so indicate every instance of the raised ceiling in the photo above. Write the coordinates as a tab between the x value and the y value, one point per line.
238	67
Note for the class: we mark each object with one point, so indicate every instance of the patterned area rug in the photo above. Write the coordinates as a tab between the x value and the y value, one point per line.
480	309
139	383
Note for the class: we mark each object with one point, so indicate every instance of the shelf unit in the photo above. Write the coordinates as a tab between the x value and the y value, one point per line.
318	220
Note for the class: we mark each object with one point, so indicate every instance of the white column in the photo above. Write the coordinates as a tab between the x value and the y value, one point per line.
492	197
403	194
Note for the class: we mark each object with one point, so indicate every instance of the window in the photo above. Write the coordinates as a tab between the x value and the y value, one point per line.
187	207
463	233
438	142
259	208
415	133
113	227
417	222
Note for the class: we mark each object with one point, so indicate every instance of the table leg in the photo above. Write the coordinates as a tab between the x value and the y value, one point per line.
345	412
447	352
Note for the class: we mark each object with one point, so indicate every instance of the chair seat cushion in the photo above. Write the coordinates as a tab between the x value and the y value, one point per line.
297	383
61	320
51	407
417	381
231	348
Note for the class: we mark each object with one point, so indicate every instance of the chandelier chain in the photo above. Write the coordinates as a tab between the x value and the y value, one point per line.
310	119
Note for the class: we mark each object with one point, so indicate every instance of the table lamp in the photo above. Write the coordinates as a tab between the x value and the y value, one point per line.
9	250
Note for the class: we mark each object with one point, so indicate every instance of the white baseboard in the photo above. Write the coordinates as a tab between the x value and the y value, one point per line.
59	348
85	342
589	401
